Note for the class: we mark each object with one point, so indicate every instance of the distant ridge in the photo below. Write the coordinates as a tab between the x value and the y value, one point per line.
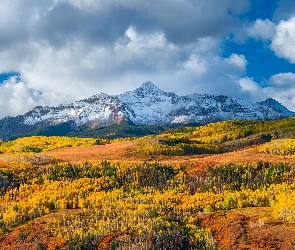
146	105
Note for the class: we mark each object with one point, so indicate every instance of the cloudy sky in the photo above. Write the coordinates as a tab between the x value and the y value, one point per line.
59	51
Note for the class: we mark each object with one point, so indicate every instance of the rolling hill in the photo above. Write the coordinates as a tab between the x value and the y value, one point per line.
170	190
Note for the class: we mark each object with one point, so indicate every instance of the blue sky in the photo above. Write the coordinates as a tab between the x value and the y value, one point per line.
59	51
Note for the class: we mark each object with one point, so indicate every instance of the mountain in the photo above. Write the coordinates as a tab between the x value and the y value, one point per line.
147	105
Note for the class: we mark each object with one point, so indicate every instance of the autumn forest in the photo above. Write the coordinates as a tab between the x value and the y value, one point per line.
225	185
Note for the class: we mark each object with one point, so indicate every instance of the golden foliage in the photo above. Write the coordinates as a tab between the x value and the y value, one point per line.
278	147
39	144
284	207
132	205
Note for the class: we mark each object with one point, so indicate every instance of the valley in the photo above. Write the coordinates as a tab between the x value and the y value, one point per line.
224	185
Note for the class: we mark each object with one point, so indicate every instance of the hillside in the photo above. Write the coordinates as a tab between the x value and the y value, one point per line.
225	185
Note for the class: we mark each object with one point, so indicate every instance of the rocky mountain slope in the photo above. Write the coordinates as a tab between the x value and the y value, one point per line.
147	105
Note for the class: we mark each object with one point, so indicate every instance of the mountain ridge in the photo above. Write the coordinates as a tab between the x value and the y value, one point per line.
146	105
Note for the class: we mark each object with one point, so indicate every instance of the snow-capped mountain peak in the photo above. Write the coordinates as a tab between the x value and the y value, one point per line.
148	88
275	105
146	105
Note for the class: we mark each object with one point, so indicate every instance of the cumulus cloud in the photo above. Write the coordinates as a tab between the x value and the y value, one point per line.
151	50
206	71
262	29
237	60
15	97
252	89
282	80
281	36
283	43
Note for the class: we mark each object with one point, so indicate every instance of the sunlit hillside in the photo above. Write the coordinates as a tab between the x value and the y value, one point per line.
226	185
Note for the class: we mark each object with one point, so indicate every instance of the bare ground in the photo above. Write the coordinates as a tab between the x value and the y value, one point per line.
123	151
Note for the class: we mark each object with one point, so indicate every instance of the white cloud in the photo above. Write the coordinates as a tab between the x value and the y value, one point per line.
237	60
16	97
283	43
262	29
196	65
281	36
151	50
282	80
206	71
252	89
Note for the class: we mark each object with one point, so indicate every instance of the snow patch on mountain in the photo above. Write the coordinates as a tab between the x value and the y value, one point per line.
149	105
